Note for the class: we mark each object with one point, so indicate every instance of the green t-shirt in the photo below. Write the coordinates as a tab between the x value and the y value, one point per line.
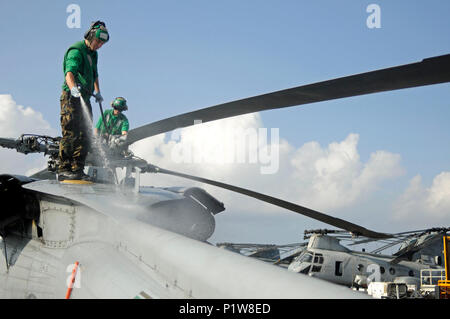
82	62
116	123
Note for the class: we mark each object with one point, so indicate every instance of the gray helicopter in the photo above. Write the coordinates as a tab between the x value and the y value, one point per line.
117	239
326	258
323	256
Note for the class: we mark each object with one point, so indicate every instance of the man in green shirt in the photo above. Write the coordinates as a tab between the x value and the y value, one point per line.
114	135
116	121
80	83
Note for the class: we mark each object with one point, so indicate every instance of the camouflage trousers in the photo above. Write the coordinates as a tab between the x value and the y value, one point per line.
76	126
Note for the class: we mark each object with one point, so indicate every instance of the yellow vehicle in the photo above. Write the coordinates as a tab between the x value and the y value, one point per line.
444	285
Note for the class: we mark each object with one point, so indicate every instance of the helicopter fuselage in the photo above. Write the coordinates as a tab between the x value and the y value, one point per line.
325	258
149	244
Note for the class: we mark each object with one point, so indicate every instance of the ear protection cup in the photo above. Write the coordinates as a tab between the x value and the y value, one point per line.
98	30
102	35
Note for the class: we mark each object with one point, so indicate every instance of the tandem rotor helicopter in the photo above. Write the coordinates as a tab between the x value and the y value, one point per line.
123	240
324	257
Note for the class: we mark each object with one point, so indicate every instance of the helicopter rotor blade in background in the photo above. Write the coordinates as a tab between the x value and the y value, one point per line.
9	142
400	237
407	252
337	222
429	71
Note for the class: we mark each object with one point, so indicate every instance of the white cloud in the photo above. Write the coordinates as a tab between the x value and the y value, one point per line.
334	177
16	120
213	150
322	178
425	207
439	194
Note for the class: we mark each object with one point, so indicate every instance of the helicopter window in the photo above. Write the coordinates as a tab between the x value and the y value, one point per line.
360	267
411	273
338	268
307	258
316	268
318	259
382	270
392	271
305	271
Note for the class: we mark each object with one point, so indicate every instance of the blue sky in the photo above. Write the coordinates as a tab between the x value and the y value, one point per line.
171	57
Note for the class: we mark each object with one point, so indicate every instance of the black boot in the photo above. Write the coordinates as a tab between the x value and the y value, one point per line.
68	176
82	176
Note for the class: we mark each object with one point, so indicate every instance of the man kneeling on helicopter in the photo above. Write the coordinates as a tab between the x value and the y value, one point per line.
117	125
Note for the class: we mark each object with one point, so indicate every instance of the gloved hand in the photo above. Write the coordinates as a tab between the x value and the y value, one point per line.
98	97
122	140
75	91
117	140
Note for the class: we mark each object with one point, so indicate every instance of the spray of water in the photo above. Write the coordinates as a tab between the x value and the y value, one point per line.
92	141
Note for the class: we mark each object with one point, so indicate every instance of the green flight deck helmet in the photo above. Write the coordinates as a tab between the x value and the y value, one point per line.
97	30
119	104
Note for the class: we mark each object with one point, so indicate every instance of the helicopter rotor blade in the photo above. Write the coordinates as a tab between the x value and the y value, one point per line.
407	252
9	142
429	71
337	222
400	237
